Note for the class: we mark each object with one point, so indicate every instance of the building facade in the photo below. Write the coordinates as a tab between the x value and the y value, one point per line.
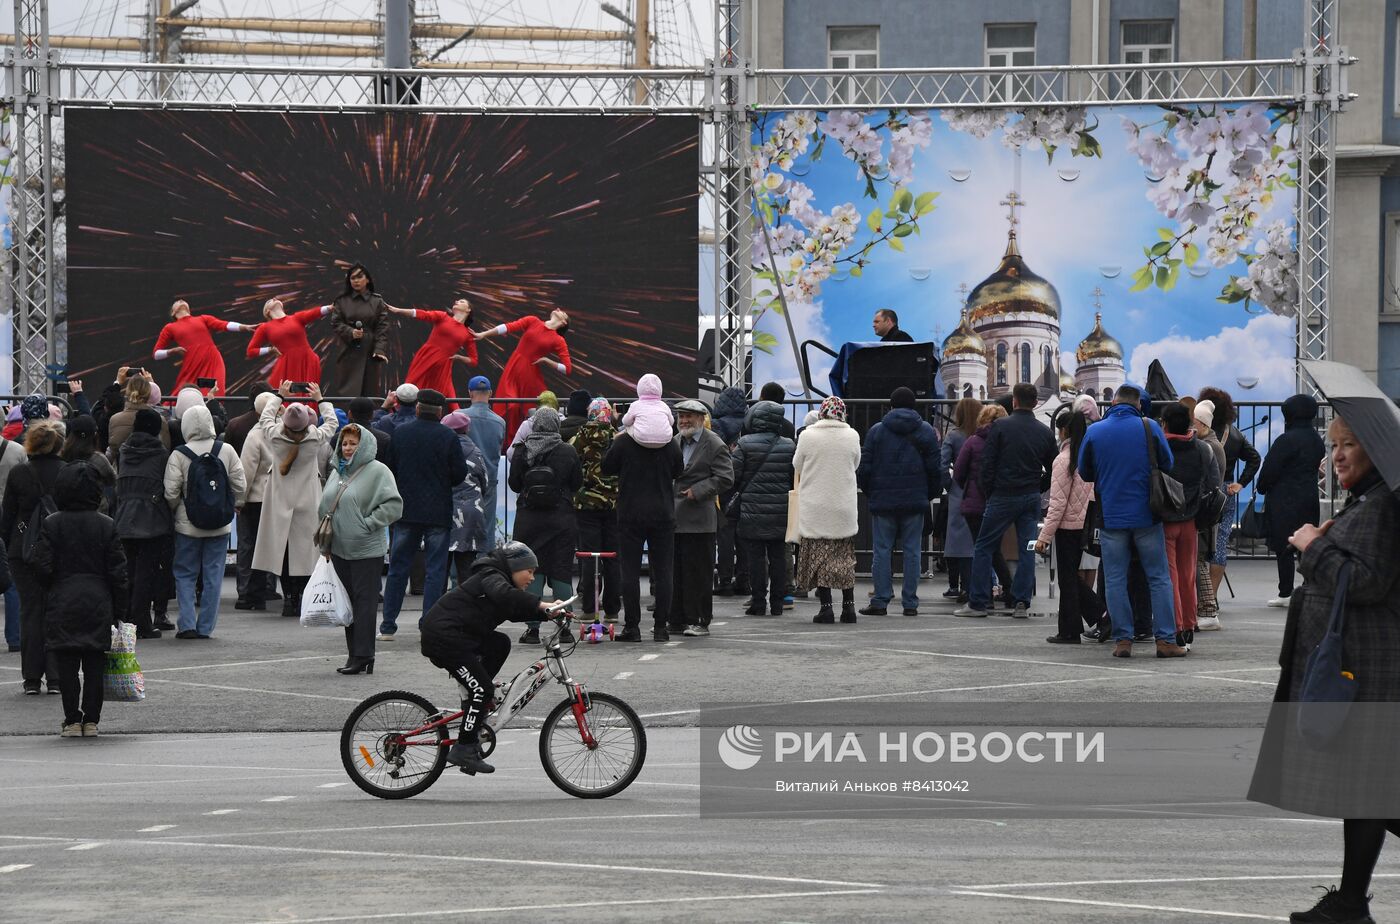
1365	296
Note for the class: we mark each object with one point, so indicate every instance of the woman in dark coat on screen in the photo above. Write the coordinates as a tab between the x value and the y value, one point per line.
1288	481
361	325
1297	776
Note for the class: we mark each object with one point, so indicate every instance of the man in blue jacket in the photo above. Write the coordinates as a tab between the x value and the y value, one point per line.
899	475
1015	473
1114	457
427	463
488	431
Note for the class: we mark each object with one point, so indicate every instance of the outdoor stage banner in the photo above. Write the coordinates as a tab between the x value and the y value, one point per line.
1176	224
596	215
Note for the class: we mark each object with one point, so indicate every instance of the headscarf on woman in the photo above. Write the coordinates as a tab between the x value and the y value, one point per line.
600	411
833	408
544	434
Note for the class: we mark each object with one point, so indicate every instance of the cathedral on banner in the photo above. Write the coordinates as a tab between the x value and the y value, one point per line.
1010	333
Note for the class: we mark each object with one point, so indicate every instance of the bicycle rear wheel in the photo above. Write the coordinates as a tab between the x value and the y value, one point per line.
373	751
601	771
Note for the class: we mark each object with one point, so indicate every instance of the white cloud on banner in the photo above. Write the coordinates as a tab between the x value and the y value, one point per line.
1262	349
782	366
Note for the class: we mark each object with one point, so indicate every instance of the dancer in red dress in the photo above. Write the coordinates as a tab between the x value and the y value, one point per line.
191	334
521	377
285	335
432	364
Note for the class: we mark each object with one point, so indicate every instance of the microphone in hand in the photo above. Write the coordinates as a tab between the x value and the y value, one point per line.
359	333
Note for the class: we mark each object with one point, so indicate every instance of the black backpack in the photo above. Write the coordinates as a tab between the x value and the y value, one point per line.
208	492
29	532
539	486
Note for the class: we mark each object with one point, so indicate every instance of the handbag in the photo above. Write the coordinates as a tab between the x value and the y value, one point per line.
1093	522
325	532
325	601
794	535
1166	498
1328	688
731	509
1255	522
123	682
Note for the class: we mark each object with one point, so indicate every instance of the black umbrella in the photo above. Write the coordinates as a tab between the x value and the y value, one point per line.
1158	385
1370	414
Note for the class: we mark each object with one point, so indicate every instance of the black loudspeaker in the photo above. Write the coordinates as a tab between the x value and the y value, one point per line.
877	370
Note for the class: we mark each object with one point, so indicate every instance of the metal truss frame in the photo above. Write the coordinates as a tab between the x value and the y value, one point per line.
726	94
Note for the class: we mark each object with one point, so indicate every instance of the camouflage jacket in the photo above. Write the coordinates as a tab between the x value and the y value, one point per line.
599	492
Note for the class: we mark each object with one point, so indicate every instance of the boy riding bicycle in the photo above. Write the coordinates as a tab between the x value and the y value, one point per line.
459	635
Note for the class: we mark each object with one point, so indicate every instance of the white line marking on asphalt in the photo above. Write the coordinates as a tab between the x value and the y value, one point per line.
88	846
719	623
214	686
672	644
1187	879
15	867
1101	904
444	824
221	812
279	799
105	764
503	861
205	667
201	779
624	675
331	785
1242	670
650	657
1262	683
567	905
154	828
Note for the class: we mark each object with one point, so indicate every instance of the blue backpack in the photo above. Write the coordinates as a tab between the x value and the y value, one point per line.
208	493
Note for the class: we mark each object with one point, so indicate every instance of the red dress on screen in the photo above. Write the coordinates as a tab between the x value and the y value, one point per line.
432	364
521	378
202	360
288	334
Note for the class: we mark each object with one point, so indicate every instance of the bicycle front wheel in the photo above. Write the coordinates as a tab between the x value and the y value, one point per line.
600	771
379	753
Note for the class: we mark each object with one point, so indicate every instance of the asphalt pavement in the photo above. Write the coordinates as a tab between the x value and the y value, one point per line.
221	798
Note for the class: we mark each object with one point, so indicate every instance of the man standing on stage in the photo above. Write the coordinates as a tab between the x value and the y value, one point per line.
886	325
191	335
361	324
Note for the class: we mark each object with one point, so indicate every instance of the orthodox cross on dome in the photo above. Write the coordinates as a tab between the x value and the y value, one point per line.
1013	201
963	289
1098	298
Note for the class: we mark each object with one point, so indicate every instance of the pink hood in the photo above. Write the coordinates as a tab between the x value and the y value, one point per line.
649	386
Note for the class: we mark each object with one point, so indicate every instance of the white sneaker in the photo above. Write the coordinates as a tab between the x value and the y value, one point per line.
384	637
89	729
1207	623
72	731
1279	602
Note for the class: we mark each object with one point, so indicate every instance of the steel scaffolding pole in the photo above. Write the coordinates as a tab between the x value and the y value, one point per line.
1323	64
30	75
729	97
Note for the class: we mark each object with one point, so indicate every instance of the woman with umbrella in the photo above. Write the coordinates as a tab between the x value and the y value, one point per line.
1365	535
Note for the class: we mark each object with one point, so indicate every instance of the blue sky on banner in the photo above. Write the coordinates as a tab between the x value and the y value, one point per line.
1085	224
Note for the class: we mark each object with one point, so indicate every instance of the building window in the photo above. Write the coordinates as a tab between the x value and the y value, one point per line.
967	390
1147	42
1001	364
1390	286
981	393
1047	366
1108	394
1026	363
853	48
1010	46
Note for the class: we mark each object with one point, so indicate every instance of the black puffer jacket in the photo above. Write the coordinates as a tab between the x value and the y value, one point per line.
79	558
1288	478
467	615
765	482
141	511
27	483
728	418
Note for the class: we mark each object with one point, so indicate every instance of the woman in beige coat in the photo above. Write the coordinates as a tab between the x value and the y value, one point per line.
287	527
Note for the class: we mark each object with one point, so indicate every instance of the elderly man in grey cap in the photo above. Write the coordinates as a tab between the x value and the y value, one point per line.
708	472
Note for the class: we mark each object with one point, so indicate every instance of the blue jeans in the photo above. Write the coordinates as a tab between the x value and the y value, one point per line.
196	555
907	530
403	545
12	617
1151	545
1004	511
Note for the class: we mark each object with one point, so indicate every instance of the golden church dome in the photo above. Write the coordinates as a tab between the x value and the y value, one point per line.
1099	345
964	341
1013	289
1067	383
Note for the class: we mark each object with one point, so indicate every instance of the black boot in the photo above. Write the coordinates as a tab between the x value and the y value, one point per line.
357	666
467	757
848	604
824	616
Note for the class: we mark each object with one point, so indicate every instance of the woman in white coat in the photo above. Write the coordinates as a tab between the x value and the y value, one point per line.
828	453
287	528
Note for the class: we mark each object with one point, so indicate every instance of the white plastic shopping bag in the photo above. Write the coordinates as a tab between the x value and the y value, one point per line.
123	682
325	602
